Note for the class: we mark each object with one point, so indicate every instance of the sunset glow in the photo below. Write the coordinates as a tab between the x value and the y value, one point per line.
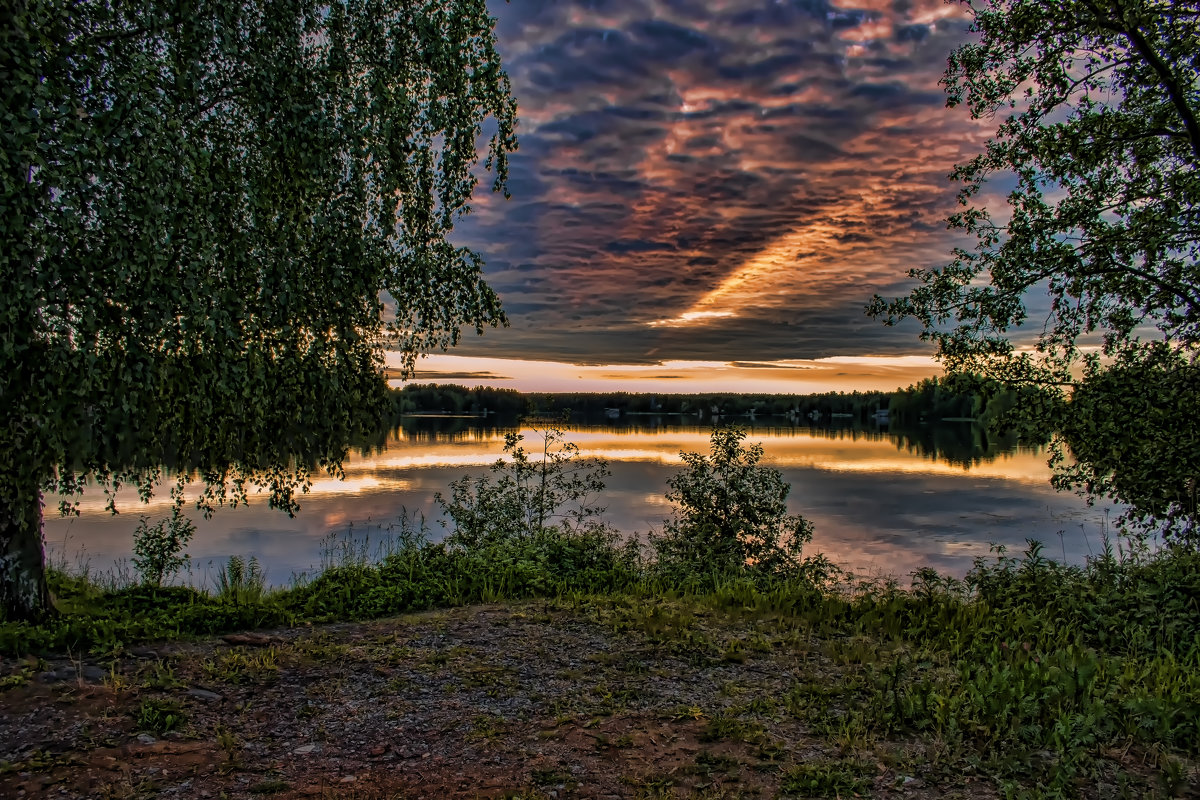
795	376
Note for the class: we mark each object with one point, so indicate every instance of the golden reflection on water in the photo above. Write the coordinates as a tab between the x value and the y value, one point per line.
878	502
843	451
851	451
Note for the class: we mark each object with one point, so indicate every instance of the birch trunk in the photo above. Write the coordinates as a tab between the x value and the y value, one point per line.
24	595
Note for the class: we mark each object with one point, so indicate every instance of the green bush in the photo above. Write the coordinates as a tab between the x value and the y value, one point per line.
156	548
555	489
731	515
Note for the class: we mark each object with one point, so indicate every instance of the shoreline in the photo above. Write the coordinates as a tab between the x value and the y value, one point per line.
607	686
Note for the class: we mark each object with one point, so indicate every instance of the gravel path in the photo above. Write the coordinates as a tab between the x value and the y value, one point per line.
612	699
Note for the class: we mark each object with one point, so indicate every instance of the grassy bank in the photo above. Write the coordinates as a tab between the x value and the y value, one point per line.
1029	671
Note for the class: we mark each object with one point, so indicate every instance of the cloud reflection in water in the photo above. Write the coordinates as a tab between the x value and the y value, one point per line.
876	503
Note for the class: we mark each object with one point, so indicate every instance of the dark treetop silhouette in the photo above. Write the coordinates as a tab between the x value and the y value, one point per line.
1100	109
205	206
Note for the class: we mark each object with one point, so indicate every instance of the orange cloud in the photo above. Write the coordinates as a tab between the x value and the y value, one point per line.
726	179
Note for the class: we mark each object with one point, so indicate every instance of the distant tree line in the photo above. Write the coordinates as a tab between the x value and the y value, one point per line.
455	399
930	400
433	398
859	405
937	399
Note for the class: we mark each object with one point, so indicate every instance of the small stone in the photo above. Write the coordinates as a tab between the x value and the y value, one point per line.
93	674
145	738
203	694
305	749
349	779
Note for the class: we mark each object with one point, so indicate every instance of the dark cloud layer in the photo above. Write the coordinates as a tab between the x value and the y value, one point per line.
726	179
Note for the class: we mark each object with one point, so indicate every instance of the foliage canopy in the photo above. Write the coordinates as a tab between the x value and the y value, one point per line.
731	514
556	488
205	205
1100	135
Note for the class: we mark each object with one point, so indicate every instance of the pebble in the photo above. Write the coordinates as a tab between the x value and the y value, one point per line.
305	749
90	673
203	694
94	674
145	738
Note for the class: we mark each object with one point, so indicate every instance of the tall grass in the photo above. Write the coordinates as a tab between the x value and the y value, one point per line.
1034	666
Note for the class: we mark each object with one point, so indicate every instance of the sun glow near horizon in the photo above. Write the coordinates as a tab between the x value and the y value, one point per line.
792	376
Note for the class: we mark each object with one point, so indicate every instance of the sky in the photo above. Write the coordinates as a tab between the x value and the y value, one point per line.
708	192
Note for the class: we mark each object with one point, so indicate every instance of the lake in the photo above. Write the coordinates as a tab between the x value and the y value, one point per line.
881	502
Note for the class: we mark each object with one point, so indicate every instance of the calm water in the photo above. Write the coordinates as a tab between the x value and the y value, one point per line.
881	503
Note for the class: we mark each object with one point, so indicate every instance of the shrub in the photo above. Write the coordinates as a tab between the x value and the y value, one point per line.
731	514
156	548
553	490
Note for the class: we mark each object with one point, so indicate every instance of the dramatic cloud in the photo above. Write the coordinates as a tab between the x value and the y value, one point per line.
719	179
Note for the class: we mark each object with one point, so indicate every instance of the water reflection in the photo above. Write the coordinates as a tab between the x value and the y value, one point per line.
881	501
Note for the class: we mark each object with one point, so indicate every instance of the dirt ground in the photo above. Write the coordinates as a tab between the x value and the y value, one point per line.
520	700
